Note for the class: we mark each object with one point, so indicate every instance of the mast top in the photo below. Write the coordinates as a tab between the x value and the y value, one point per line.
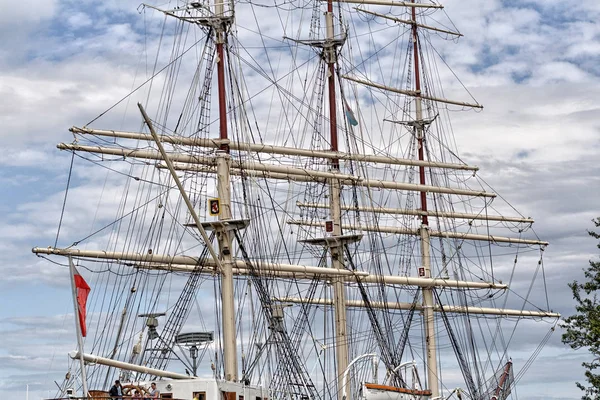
198	13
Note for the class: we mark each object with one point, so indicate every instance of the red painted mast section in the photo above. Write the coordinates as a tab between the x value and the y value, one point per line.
335	163
422	128
222	96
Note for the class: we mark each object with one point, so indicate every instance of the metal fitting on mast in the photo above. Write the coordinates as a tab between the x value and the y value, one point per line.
330	47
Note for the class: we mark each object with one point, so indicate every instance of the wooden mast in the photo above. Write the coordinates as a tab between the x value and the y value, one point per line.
428	301
224	238
337	250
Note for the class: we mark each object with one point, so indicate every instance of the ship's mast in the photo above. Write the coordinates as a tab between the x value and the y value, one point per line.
337	250
428	303
224	238
219	24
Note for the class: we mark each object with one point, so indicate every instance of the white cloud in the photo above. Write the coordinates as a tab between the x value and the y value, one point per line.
79	20
26	12
558	72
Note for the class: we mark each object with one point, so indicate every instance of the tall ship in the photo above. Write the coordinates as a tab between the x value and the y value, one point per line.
281	212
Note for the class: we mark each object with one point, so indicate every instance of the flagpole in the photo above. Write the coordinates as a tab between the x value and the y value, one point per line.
78	326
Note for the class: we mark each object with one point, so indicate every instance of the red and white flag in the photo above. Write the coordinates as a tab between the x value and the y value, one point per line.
82	291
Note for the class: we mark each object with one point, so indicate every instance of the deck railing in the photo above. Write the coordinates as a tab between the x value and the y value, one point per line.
108	397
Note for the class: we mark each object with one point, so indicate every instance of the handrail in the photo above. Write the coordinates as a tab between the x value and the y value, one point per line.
108	397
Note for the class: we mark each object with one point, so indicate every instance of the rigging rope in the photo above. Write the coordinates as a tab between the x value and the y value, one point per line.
62	211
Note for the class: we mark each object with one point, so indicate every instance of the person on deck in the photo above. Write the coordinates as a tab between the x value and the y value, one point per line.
154	393
116	391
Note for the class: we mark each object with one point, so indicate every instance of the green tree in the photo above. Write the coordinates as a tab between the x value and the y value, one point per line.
583	328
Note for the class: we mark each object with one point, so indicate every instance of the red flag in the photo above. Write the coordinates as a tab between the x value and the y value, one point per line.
83	290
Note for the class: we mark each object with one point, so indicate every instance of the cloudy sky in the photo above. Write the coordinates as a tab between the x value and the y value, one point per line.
534	64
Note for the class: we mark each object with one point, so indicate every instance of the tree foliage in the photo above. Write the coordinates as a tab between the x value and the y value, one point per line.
583	328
